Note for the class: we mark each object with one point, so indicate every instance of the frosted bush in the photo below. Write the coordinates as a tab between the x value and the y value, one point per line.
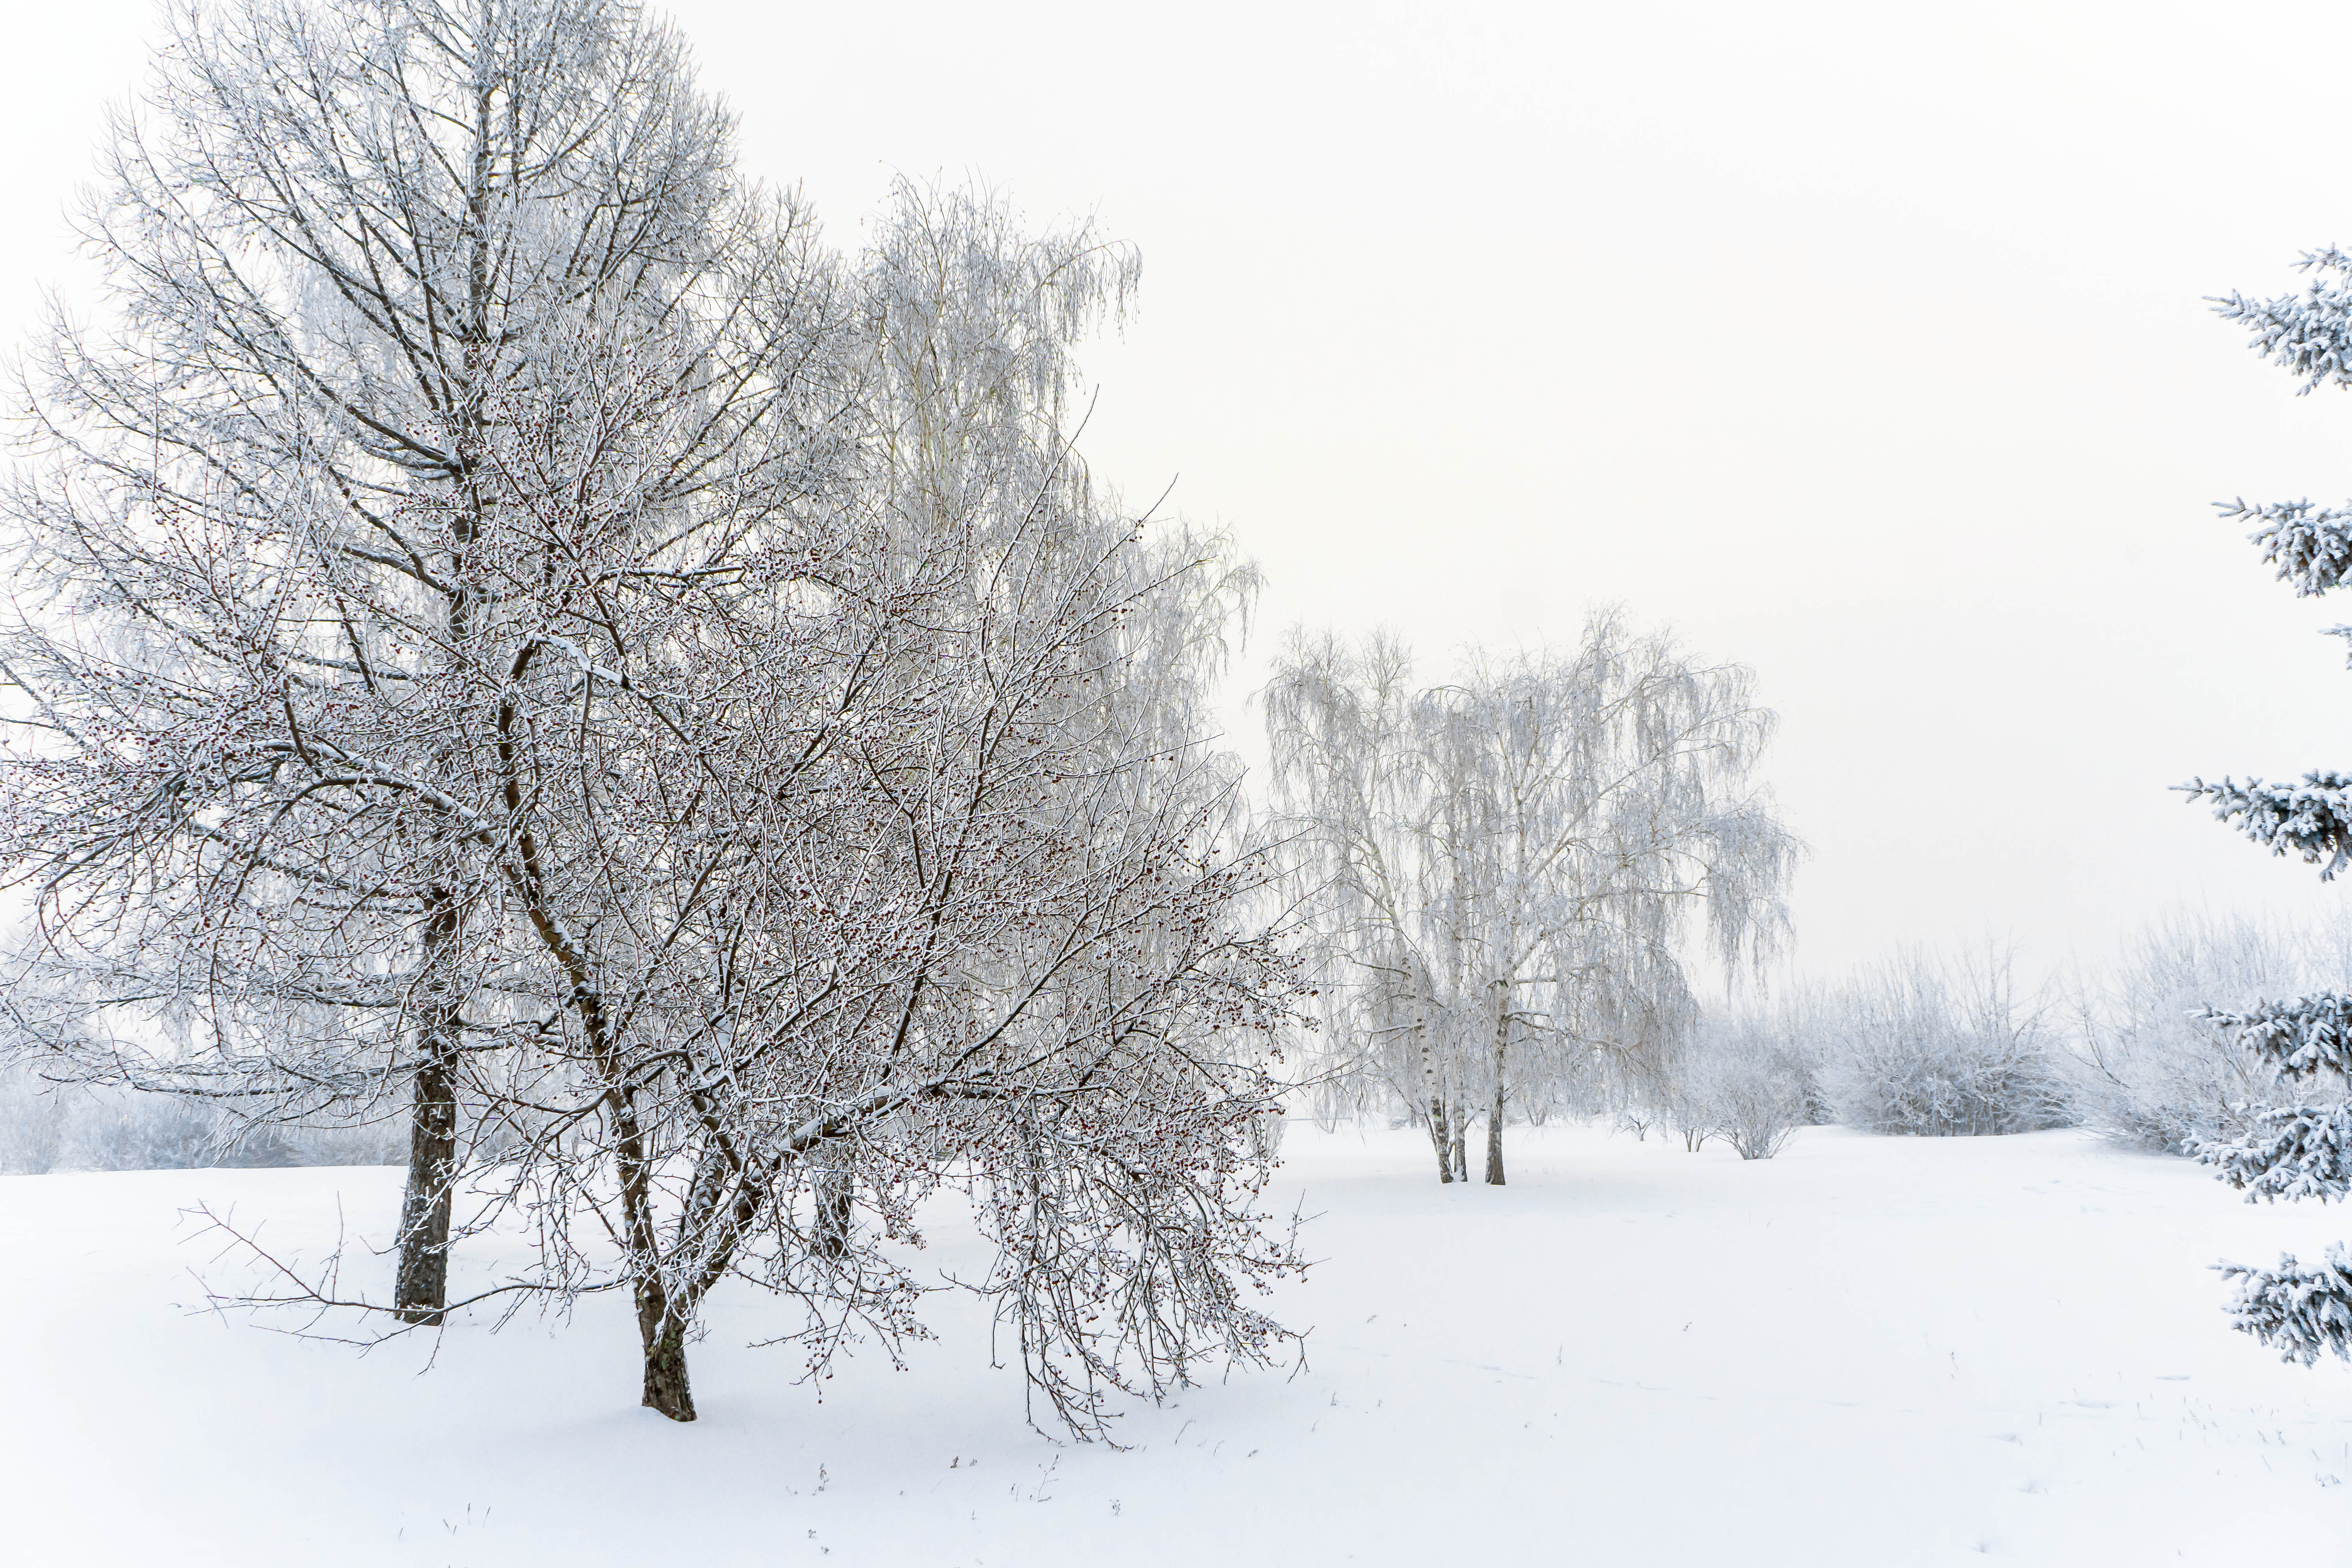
1746	1079
1753	1088
2149	1070
1937	1048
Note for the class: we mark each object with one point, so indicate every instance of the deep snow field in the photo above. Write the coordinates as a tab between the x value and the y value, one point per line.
1869	1351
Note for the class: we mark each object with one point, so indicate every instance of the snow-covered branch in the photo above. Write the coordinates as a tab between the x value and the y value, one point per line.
2297	1038
2313	819
2299	1312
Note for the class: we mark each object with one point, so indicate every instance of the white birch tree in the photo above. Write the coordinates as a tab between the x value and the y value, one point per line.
1500	872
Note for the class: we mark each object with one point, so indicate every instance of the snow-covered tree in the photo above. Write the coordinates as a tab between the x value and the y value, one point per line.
1498	873
508	622
437	339
974	924
2295	1150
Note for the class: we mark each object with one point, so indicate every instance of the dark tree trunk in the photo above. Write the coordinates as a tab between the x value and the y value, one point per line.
666	1389
1438	1135
420	1290
422	1287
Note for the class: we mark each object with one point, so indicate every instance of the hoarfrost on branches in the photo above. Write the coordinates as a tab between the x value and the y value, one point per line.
2153	1064
2311	546
1941	1048
2309	334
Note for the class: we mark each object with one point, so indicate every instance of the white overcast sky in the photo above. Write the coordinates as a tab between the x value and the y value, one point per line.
1862	343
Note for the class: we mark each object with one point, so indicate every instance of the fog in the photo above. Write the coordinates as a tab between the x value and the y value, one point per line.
1863	345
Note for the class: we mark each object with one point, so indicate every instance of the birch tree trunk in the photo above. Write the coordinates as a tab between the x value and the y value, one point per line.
1495	1141
1436	1099
1495	1114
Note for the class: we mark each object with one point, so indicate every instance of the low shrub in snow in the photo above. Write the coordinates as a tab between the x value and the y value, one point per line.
1745	1079
1937	1048
1756	1102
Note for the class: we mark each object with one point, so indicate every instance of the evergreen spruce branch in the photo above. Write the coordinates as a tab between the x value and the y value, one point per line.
2310	546
2297	1312
2299	1037
2292	1152
2310	334
2313	819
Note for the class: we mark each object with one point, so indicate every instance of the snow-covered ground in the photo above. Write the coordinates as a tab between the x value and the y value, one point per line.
1867	1352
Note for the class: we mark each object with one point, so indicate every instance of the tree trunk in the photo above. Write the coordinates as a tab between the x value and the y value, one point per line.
1495	1114
420	1292
1437	1133
1495	1141
1461	1141
664	1336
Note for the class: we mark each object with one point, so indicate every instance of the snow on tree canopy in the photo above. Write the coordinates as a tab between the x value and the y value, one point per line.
2309	1034
2313	819
2296	1152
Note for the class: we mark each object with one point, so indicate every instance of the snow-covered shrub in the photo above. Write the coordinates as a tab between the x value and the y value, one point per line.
2150	1067
1752	1085
1941	1048
1744	1079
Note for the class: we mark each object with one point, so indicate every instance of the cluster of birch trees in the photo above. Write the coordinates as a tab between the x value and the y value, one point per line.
515	631
1504	879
